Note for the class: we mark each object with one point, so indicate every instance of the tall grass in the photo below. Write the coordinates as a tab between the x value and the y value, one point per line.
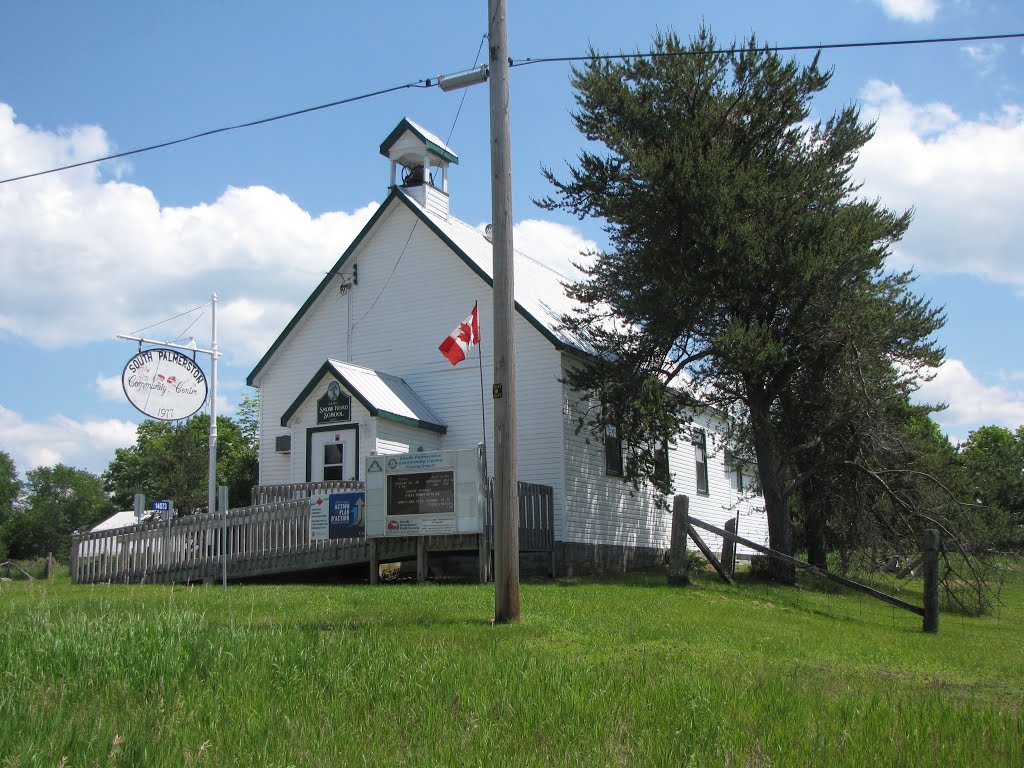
617	672
36	568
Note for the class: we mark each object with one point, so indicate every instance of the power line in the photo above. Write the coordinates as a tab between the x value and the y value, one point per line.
225	129
465	90
393	270
432	82
766	49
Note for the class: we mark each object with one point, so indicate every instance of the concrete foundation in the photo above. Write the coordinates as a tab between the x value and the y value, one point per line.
587	559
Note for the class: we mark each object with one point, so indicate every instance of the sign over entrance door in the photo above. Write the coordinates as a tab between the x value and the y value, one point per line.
333	454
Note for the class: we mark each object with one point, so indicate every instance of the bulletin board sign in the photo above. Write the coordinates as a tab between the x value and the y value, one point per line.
424	494
421	493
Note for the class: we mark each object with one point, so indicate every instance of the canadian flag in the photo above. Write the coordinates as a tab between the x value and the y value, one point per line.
465	336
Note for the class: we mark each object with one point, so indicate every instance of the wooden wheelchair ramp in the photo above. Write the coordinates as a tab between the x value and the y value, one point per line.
270	538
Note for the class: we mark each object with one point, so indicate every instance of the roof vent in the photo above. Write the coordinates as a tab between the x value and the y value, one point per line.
489	233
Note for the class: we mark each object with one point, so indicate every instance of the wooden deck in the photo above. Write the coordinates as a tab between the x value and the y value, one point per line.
272	537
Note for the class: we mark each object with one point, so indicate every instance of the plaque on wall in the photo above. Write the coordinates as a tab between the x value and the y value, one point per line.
334	406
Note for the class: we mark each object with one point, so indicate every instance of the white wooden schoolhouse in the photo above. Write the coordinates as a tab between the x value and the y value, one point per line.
357	371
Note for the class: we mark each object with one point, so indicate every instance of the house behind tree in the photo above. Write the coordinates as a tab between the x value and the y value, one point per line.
357	371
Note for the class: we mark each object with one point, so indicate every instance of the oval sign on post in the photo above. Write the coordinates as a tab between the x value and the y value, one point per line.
164	384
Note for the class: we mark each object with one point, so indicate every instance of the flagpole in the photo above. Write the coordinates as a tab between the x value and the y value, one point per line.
483	407
485	547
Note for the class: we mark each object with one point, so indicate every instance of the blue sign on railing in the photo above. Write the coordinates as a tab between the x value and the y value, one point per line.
337	516
346	515
161	506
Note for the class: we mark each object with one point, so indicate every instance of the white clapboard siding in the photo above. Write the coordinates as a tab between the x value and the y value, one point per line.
600	508
413	290
603	509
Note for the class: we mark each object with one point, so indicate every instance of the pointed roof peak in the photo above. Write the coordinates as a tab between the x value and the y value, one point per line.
432	141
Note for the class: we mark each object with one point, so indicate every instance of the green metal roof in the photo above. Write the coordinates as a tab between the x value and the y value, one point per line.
383	395
434	144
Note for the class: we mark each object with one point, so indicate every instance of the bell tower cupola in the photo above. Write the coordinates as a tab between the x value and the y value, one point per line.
419	165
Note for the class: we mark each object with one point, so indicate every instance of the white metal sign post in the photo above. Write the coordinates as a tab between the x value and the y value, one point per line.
214	354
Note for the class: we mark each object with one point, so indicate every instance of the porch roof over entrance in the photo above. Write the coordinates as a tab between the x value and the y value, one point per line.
382	394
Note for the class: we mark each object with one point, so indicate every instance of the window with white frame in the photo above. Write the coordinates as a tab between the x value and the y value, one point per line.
661	467
700	449
612	451
334	461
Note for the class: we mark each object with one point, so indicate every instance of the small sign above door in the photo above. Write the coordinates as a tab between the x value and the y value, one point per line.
334	406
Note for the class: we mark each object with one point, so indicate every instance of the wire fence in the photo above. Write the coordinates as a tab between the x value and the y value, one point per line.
1001	617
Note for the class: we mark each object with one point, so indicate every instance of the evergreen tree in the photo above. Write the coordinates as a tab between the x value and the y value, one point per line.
744	272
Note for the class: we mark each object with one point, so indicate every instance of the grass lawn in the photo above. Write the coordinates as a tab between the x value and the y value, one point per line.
599	672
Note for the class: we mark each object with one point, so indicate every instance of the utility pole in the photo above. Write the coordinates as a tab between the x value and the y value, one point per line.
506	491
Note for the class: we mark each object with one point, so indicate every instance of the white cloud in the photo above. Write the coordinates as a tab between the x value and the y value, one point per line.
910	10
556	245
84	444
964	178
109	387
84	258
971	402
984	56
253	324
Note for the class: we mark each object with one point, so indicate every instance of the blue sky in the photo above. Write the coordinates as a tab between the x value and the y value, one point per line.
260	214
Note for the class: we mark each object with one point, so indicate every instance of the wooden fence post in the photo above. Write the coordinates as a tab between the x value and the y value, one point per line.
729	549
677	570
930	545
421	559
484	557
76	544
374	563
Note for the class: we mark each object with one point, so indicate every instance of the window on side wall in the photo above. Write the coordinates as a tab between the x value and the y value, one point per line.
700	449
661	463
612	451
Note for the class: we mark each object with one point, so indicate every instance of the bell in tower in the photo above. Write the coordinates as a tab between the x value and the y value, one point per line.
412	177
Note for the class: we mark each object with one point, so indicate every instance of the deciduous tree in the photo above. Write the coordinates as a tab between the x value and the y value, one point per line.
10	489
59	501
993	460
10	486
170	461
